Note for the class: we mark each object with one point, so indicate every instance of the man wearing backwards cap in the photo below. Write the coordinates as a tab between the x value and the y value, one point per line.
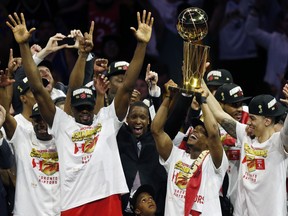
91	176
263	159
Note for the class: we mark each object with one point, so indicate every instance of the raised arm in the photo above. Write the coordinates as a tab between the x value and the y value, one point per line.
101	84
223	118
211	125
6	156
9	123
284	130
143	35
163	142
22	36
76	78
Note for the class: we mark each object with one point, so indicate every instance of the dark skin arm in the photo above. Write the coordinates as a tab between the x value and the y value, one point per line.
213	141
77	75
101	84
143	35
163	142
10	123
22	36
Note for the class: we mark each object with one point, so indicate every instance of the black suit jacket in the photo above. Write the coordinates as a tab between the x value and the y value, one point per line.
147	164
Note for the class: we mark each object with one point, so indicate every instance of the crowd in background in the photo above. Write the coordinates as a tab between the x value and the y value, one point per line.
247	38
231	47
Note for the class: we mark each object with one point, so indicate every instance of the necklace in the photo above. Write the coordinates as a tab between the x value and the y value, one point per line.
199	161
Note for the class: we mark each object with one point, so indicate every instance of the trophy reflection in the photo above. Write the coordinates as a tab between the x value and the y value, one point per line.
192	27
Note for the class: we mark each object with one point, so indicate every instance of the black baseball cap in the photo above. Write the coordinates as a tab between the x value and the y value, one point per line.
266	105
83	96
117	67
218	77
35	111
23	86
230	93
143	188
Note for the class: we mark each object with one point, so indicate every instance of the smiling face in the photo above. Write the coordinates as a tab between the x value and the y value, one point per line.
83	114
116	82
257	125
45	73
145	205
40	128
138	120
197	139
234	110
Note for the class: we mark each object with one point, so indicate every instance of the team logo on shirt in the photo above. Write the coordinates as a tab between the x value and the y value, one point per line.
255	158
45	160
182	174
85	141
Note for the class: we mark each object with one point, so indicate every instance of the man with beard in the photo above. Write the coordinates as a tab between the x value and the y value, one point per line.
230	96
139	156
194	177
92	177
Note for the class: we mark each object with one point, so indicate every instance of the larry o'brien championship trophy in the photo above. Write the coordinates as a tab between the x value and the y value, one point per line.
192	27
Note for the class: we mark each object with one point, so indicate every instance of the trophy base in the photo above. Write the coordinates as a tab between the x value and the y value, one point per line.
182	90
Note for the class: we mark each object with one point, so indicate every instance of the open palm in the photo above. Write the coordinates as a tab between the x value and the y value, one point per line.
19	29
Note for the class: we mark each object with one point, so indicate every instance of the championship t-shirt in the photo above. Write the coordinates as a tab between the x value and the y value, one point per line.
178	166
37	182
90	163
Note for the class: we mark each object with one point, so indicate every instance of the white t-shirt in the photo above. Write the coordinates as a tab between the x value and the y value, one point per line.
262	175
178	166
233	155
20	119
37	182
90	163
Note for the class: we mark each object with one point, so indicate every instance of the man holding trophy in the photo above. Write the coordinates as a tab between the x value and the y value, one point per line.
195	176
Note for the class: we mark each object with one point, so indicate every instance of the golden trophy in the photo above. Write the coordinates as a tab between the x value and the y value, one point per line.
192	27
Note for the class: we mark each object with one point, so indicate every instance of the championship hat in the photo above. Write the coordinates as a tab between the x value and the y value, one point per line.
218	77
230	93
116	68
266	105
82	96
23	86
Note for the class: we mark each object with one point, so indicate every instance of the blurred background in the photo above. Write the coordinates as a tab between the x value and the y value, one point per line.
231	47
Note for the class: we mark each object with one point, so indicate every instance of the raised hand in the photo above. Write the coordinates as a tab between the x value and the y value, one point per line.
135	96
101	84
170	92
151	77
35	48
19	29
4	79
2	115
100	65
285	93
144	31
13	63
86	43
77	35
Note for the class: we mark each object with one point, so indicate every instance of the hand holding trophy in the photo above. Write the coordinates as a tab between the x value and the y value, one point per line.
192	27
